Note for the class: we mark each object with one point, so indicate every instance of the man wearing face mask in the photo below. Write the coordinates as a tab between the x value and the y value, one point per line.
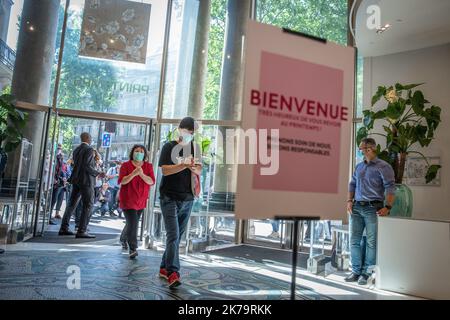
179	161
372	180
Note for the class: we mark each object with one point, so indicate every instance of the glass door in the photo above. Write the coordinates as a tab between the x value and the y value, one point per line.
113	137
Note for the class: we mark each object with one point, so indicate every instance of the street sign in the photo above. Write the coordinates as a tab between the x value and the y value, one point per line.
106	140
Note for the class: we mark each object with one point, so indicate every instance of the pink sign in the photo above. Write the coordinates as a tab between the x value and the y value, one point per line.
304	101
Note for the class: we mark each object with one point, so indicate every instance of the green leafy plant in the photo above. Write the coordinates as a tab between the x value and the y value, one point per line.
408	122
12	121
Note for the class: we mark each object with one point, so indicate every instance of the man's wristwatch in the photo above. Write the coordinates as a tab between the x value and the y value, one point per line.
388	207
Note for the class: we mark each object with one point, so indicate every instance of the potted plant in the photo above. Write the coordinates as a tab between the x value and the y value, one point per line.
409	120
12	121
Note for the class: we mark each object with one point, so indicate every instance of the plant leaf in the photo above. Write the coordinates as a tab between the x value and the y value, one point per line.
11	146
432	172
368	119
362	133
418	102
411	86
393	111
8	99
379	115
380	92
384	155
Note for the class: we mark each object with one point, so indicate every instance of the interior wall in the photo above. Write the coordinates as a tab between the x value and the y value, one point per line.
431	66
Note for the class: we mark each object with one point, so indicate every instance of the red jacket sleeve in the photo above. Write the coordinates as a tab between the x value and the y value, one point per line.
124	171
150	173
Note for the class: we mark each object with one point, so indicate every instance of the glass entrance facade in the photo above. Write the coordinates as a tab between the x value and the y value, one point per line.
192	61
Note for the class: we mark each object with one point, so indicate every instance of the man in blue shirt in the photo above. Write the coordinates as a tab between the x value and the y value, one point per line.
372	180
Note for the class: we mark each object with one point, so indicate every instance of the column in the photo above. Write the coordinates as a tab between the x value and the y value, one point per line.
199	63
33	69
238	12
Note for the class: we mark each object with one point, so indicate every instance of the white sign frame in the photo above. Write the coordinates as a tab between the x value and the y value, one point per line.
262	204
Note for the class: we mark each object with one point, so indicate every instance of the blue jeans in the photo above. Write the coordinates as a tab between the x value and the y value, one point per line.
103	208
360	219
176	216
275	225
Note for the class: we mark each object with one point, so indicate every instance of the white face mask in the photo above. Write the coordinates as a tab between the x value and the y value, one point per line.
186	136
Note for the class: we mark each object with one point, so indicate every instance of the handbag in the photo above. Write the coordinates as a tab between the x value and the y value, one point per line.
195	179
195	183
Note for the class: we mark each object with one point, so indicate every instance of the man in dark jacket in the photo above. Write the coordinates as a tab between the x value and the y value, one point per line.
83	180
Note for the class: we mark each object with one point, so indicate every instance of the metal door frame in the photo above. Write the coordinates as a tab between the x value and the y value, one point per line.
94	116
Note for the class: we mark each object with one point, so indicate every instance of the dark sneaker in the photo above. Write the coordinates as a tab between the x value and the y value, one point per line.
353	277
133	254
84	235
65	233
124	245
174	280
163	273
362	281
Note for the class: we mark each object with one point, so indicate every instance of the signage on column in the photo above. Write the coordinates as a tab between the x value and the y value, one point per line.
106	140
298	102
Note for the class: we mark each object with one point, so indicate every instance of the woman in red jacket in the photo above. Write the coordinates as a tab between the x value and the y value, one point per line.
135	178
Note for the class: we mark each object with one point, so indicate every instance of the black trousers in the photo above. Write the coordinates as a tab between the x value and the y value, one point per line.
86	194
129	232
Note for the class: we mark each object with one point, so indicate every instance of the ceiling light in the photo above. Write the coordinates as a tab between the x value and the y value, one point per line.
384	28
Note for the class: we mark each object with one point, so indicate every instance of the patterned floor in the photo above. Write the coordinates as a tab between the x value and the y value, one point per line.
37	269
108	274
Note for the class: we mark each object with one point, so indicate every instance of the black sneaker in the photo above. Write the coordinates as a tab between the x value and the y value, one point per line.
133	254
84	235
124	245
353	277
362	281
67	232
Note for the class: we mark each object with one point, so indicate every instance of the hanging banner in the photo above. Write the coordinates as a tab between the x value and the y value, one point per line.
115	30
298	102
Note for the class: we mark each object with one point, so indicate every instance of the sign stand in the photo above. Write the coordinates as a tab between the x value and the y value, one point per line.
295	247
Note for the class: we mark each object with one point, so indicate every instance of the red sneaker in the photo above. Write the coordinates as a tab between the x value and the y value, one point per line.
163	273
174	280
